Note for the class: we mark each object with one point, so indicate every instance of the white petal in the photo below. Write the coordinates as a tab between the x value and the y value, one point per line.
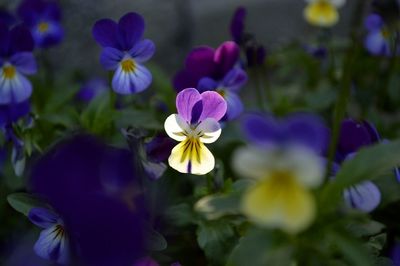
208	130
252	162
192	156
338	3
176	127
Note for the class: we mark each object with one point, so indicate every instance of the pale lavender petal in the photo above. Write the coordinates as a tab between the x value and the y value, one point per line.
376	44
207	84
130	30
43	218
52	245
226	56
201	61
364	196
24	62
105	33
110	58
235	79
143	51
214	106
185	101
235	105
131	82
14	90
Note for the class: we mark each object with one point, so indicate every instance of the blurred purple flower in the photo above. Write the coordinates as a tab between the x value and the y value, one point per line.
53	241
7	18
124	51
378	39
43	18
147	261
159	148
395	254
215	70
237	25
95	190
354	135
300	128
16	60
91	88
319	52
10	113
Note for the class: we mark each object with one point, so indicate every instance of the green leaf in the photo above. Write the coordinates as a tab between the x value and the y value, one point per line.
145	119
180	215
24	202
368	164
216	206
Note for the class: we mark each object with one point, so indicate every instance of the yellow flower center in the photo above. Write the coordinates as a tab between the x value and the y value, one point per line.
321	13
191	150
9	72
43	27
128	65
385	33
221	92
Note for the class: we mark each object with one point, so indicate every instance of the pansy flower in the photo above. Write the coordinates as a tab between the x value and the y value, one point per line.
92	88
354	135
124	52
195	124
280	196
43	18
379	38
16	61
53	241
323	13
216	70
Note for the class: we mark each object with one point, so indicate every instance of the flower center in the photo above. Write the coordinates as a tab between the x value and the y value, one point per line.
58	231
43	27
385	33
282	180
9	72
128	65
221	92
324	8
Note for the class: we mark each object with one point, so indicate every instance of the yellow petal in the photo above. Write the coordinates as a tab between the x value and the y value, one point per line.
321	13
192	156
280	202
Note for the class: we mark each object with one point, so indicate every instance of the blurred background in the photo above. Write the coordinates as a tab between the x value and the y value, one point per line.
177	25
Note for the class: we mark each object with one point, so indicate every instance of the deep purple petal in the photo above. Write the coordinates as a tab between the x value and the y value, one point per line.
185	79
373	22
159	148
185	101
364	196
261	130
105	33
21	40
308	130
110	58
30	11
43	218
237	24
207	84
10	113
214	106
6	17
234	79
4	39
255	54
147	261
143	51
353	135
395	254
52	11
200	61
130	30
24	62
52	36
226	56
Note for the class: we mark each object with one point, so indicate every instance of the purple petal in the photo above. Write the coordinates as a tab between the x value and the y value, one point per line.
237	25
214	106
52	36
185	79
24	62
308	130
15	90
376	44
131	82
364	196
4	39
52	245
6	17
147	261
105	33
261	130
185	101
143	51
353	135
21	40
159	148
373	22
226	56
200	61
235	79
43	218
130	30
255	55
110	58
10	113
207	84
235	105
395	254
52	11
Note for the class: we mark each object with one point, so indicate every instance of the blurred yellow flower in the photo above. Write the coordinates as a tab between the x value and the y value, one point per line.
280	197
323	13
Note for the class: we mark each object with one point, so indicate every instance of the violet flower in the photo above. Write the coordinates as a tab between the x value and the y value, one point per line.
378	39
215	70
43	18
124	51
16	61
